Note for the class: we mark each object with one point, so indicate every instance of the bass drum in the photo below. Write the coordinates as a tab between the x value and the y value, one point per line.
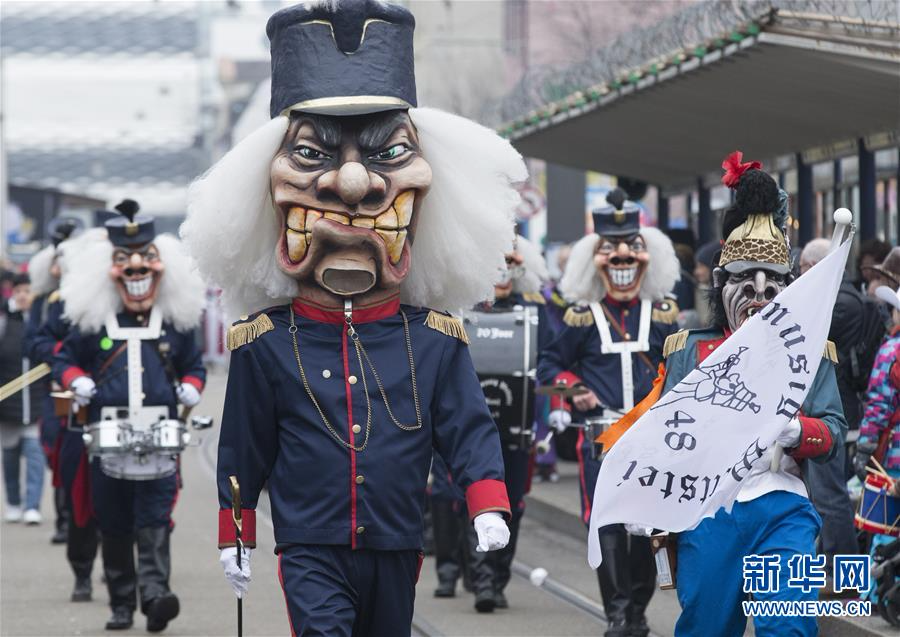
151	466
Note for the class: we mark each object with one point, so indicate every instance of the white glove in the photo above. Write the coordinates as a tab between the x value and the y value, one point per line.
559	419
639	529
239	578
187	395
492	531
84	389
790	436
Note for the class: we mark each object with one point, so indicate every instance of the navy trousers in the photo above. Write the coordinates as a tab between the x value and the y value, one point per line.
339	592
123	506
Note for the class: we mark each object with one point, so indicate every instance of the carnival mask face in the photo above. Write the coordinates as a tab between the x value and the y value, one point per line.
622	263
508	275
347	191
747	293
136	273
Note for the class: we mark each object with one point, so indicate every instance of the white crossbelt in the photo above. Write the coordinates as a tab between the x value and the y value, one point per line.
625	349
133	337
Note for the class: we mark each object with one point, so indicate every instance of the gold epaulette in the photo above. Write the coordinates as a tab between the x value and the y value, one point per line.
578	316
534	297
243	333
665	311
830	352
54	297
675	343
446	324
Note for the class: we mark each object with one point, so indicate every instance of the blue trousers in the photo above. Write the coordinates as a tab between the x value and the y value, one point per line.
339	592
710	566
123	506
30	449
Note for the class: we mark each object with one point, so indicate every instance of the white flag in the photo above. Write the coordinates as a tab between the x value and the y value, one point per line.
685	457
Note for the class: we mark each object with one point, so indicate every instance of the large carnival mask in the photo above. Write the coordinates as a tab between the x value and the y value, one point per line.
508	275
746	293
621	264
348	191
136	271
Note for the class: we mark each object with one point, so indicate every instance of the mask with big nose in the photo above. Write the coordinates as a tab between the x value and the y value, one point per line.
136	273
347	191
621	263
746	293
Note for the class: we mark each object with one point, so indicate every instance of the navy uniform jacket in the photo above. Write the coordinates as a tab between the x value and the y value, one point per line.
85	354
321	491
574	355
43	337
821	416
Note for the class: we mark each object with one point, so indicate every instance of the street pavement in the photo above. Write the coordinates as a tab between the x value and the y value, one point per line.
35	580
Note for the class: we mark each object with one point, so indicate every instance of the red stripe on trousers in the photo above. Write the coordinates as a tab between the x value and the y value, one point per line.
284	592
584	494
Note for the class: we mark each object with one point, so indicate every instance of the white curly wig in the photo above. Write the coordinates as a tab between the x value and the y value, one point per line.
580	282
463	232
42	282
90	294
536	272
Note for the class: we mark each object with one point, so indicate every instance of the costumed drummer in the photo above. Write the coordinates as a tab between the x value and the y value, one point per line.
510	396
347	216
133	301
44	271
612	346
772	514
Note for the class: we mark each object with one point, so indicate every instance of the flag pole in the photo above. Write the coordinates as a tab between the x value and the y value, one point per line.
843	219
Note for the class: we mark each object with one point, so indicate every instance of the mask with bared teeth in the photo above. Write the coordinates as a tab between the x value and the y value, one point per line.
347	190
136	267
621	255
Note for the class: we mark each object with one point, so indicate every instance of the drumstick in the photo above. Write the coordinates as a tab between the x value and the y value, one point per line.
880	468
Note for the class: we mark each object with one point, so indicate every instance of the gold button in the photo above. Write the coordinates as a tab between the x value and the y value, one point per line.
244	317
627	336
360	479
709	347
356	429
624	312
143	395
352	380
326	373
360	529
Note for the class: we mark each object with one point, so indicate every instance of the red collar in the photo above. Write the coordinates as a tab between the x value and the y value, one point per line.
361	314
621	304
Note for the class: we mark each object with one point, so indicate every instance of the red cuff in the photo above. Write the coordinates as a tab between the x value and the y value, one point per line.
570	380
227	530
815	439
71	374
894	374
193	380
57	347
487	495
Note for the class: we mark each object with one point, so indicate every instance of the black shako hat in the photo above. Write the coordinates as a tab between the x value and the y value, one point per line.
619	218
62	229
129	228
344	57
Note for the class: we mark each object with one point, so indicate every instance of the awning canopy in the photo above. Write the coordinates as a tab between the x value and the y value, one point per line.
794	83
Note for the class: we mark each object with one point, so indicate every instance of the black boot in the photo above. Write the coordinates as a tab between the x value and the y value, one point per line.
502	561
481	572
61	534
118	567
643	584
81	550
154	566
122	618
446	525
615	582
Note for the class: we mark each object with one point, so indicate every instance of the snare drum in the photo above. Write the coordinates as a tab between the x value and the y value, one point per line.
107	438
595	426
169	436
879	512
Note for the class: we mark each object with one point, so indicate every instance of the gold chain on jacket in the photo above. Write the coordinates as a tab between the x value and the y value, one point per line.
360	354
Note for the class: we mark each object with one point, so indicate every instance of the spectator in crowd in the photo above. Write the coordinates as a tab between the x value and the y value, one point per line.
704	262
19	413
887	274
872	252
879	434
828	481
